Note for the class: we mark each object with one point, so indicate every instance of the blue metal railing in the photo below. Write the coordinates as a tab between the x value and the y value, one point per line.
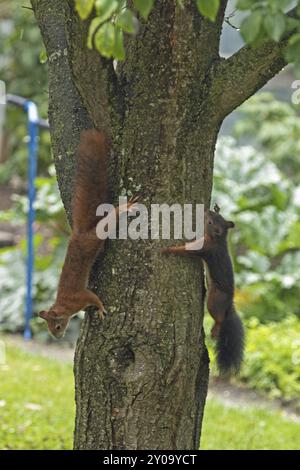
34	122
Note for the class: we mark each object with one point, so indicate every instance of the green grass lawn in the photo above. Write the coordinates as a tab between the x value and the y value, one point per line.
36	402
247	428
37	412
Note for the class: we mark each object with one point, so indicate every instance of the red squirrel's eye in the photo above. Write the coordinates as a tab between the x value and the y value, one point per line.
58	327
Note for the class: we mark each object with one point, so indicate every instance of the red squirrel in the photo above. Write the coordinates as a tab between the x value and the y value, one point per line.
90	190
213	250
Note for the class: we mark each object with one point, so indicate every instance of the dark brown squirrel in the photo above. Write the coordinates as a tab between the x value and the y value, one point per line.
228	328
91	188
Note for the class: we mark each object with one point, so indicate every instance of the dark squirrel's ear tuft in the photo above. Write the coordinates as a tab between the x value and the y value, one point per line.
216	208
229	224
44	314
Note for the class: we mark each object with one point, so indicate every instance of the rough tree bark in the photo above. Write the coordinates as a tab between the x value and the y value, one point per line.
141	375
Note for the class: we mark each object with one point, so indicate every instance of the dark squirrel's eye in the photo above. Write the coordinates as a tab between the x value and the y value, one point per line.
209	222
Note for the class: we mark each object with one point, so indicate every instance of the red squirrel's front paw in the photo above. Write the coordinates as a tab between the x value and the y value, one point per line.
134	199
131	205
164	250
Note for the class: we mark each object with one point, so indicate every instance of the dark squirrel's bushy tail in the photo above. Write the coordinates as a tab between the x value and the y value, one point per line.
91	186
230	344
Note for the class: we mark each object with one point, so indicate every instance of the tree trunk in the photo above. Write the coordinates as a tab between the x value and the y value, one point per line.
141	375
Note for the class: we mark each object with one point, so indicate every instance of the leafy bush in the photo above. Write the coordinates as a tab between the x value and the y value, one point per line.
272	357
48	205
12	289
277	134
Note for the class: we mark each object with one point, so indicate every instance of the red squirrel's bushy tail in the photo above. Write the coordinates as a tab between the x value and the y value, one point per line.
230	343
91	179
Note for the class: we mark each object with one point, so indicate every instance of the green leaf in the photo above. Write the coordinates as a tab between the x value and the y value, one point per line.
95	24
105	39
84	8
294	39
297	69
291	23
143	6
119	51
208	8
250	27
245	4
127	21
280	5
293	50
43	56
105	8
275	26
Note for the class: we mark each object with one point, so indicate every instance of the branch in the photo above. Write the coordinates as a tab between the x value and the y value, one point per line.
94	76
237	78
214	30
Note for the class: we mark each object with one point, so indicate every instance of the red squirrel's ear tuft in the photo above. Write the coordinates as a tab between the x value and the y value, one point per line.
229	224
44	314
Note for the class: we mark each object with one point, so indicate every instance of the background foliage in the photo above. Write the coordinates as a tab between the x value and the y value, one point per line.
24	74
253	182
24	71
